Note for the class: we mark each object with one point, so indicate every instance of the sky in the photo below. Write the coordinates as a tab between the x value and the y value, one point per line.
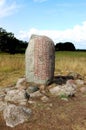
61	20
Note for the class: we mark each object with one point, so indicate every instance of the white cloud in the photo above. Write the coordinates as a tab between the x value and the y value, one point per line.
77	35
7	8
2	2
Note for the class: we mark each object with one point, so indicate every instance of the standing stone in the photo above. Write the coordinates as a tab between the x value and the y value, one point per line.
40	60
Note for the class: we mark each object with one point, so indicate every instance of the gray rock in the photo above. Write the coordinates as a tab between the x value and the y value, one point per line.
19	83
55	90
69	89
40	60
79	82
2	105
3	91
36	94
32	89
15	115
2	94
16	96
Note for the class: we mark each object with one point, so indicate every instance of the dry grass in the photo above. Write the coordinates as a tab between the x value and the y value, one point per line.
13	66
70	62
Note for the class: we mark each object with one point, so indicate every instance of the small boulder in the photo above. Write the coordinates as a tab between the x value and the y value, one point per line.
36	94
15	115
55	90
32	89
79	82
68	89
16	96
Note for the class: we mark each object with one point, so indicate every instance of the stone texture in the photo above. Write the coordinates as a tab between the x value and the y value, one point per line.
2	94
16	96
15	115
36	94
32	89
79	82
40	60
68	89
2	105
19	84
62	86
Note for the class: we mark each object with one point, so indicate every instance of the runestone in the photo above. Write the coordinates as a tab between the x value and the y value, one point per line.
40	60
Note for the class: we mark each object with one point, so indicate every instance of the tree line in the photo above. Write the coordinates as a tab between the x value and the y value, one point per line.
10	44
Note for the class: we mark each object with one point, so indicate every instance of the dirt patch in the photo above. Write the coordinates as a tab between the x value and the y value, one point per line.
56	114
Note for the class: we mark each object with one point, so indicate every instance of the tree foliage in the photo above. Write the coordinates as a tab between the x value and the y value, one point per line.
10	44
67	46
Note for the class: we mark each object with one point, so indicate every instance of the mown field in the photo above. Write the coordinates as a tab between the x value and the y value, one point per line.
12	67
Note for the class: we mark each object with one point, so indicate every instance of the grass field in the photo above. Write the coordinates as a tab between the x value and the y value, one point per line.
70	61
55	114
12	67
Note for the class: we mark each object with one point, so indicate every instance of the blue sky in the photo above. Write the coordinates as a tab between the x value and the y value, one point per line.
61	20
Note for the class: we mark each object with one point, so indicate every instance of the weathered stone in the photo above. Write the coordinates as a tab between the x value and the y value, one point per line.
19	84
68	89
16	96
79	82
40	60
2	105
2	94
55	90
32	89
15	115
3	91
36	94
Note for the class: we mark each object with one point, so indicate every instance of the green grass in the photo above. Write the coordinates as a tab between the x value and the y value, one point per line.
71	53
